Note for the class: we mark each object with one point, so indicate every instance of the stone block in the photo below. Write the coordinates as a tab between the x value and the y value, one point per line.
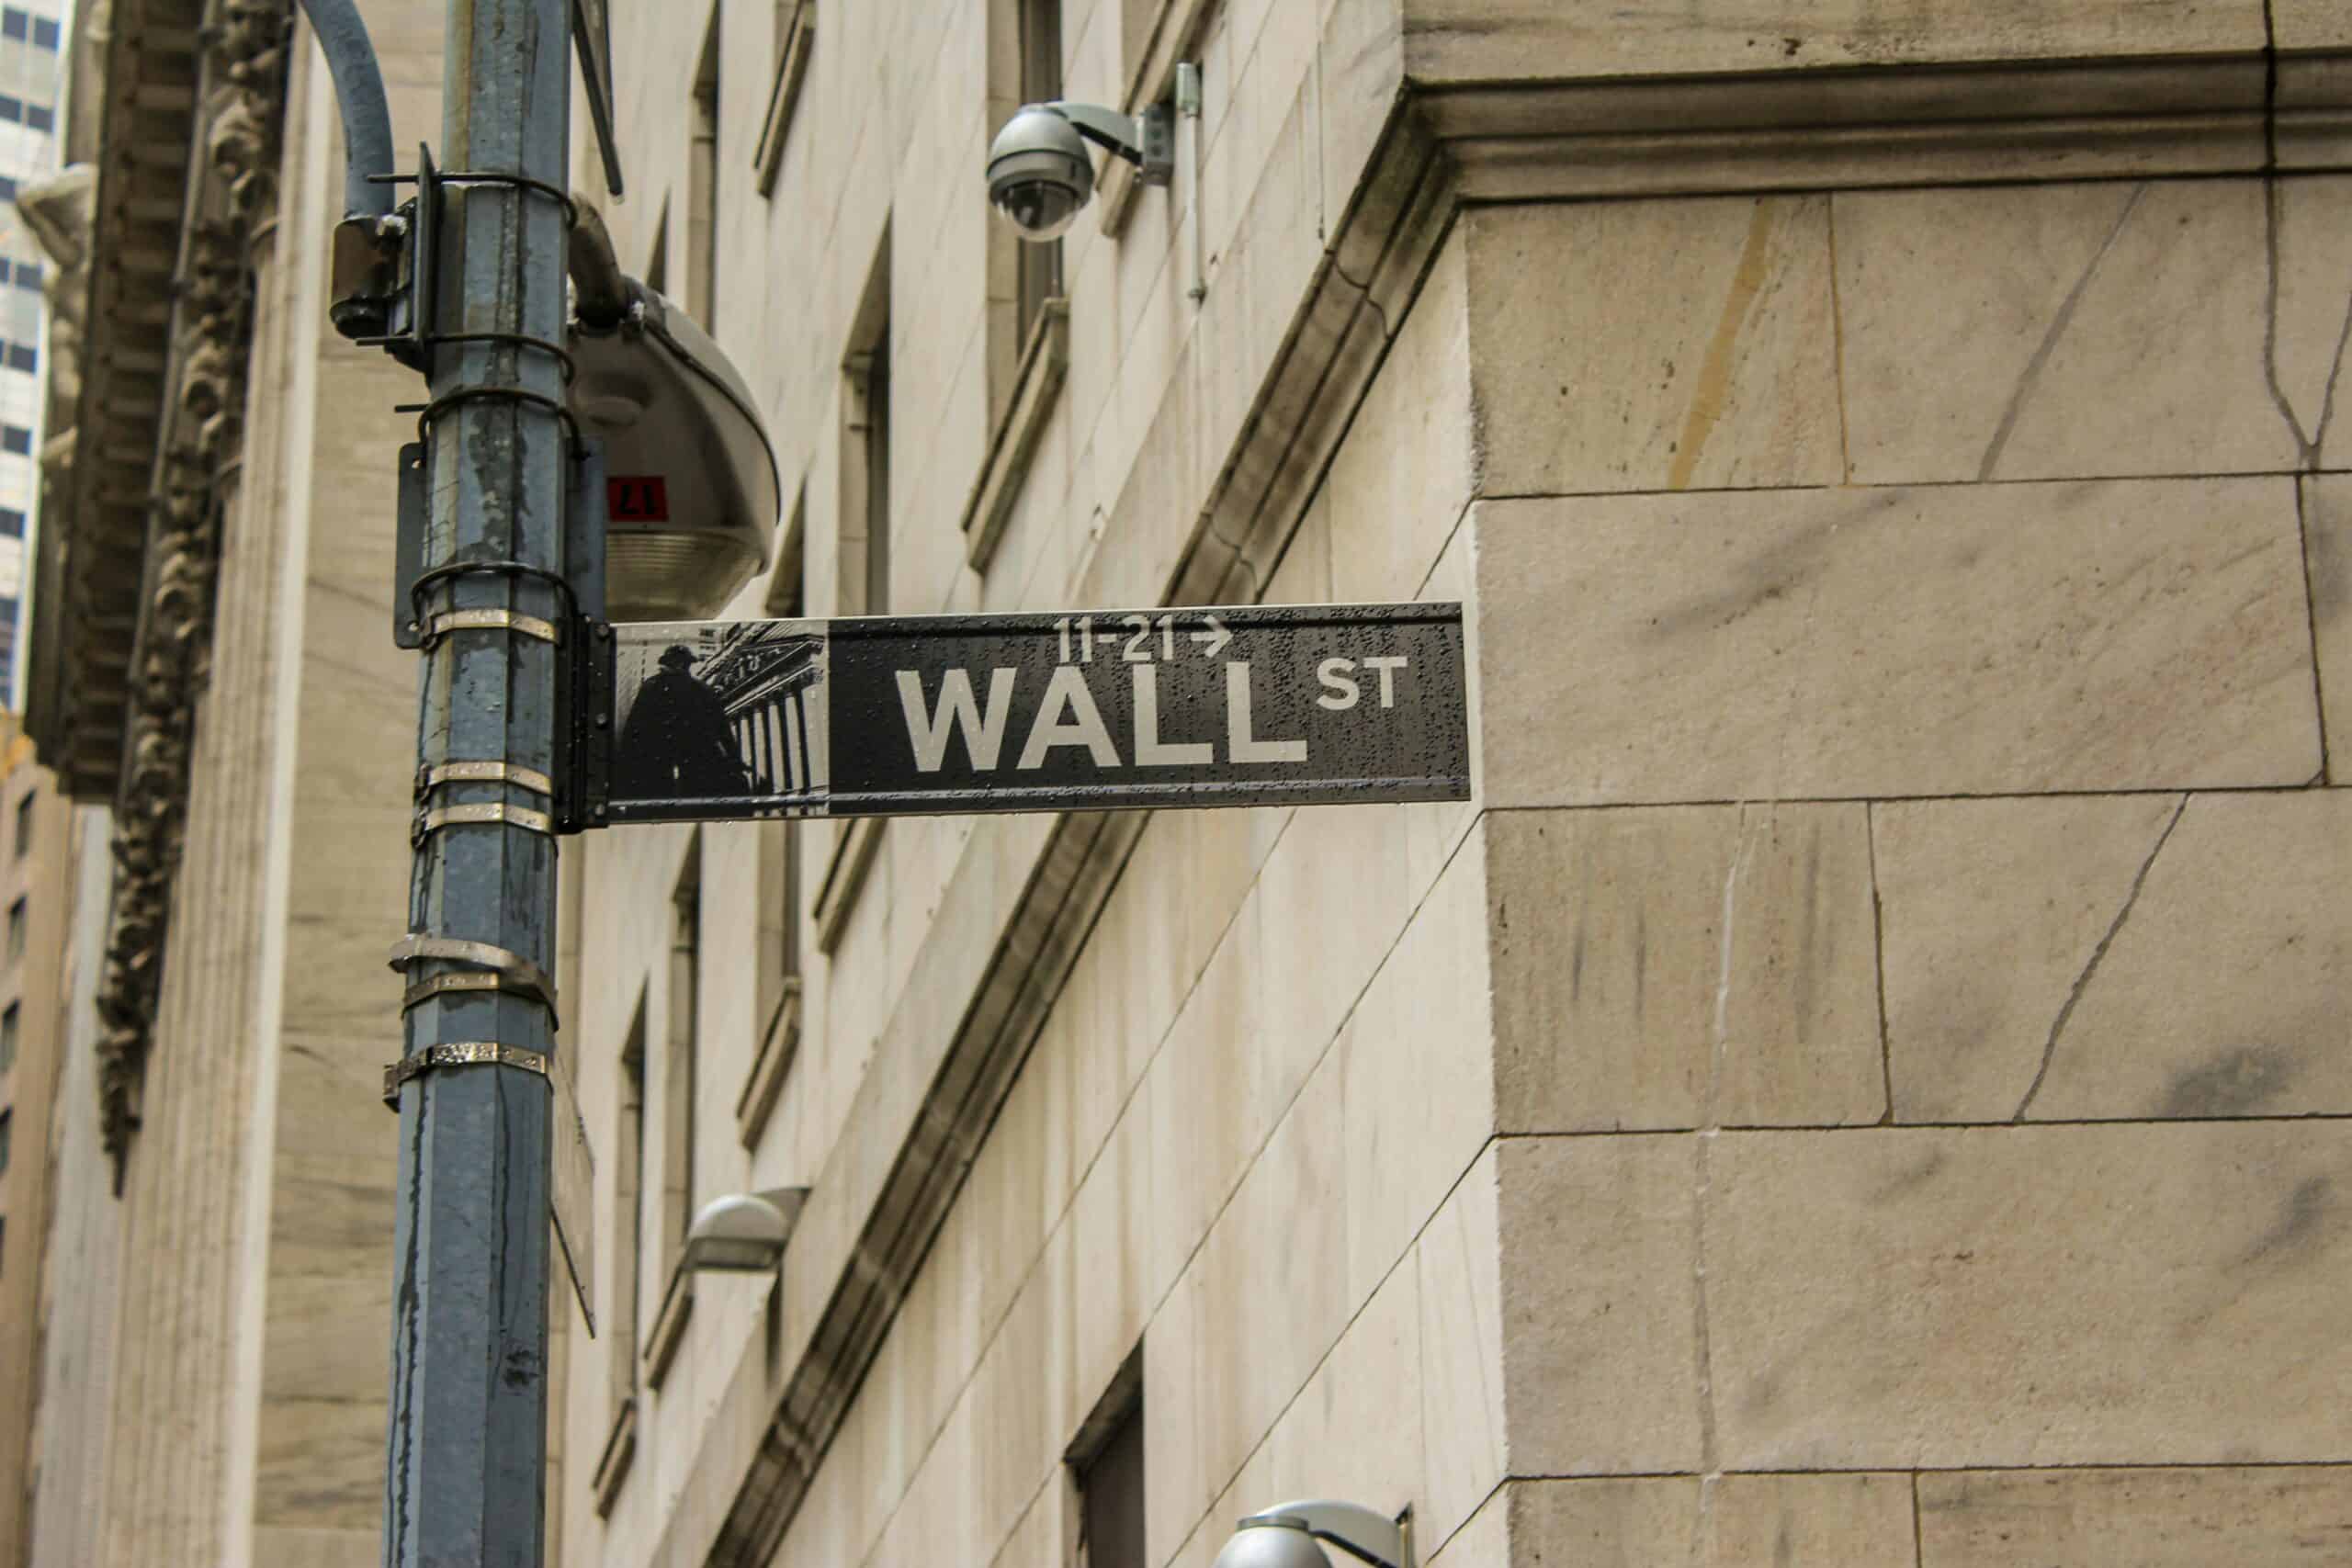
1933	1298
1458	1265
2130	957
2079	330
1417	1069
2298	24
1731	1521
1622	999
1483	1543
2247	1516
2327	537
1398	483
1654	345
1482	41
1355	1429
1978	640
1601	1303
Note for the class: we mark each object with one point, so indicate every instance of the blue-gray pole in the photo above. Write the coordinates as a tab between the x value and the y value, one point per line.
465	1468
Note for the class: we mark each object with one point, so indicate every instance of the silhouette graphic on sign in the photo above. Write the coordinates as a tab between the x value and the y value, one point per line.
677	742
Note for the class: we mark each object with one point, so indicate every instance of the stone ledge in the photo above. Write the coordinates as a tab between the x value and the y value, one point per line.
1036	387
845	873
613	1464
764	1083
791	70
669	1324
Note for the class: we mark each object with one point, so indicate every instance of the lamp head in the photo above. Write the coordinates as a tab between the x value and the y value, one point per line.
744	1232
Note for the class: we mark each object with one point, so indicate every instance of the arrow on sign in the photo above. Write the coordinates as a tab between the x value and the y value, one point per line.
1215	637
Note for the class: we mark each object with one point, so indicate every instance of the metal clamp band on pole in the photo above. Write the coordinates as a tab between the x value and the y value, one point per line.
521	816
513	773
424	991
460	1054
443	623
526	978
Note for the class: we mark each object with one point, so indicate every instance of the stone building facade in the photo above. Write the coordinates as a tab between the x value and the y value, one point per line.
1864	1080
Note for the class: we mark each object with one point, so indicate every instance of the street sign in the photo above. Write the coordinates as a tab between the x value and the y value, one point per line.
887	716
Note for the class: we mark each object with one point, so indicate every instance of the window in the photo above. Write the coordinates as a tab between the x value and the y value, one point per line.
6	1131
17	439
29	274
629	1205
796	31
40	117
678	1072
1040	266
702	184
12	109
1107	1463
15	24
16	930
8	192
45	33
12	523
865	557
23	357
24	826
8	1036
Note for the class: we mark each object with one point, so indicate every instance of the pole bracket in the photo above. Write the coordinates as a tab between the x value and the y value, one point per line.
521	977
443	623
440	817
432	777
460	1054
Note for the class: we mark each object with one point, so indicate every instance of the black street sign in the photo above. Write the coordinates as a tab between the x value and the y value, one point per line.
888	714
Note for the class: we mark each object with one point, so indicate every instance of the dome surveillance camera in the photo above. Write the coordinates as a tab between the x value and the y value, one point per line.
1040	173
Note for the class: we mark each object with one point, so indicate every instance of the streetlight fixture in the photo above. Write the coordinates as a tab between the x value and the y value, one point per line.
1285	1537
743	1233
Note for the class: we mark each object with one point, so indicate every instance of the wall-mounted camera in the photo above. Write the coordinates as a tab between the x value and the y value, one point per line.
1041	175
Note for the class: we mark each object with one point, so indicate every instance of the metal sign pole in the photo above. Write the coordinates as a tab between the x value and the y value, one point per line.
467	1431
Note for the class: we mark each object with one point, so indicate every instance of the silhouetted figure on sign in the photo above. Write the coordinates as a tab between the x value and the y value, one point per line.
677	742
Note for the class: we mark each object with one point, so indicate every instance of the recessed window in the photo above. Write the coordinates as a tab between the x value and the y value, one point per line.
40	117
15	24
1107	1463
702	183
7	1118
1041	83
24	826
29	274
45	33
17	923
7	1037
17	439
12	109
23	357
12	523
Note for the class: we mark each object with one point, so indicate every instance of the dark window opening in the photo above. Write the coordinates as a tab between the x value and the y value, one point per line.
1107	1461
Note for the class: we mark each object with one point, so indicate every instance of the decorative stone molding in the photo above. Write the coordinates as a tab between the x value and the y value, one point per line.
230	200
796	35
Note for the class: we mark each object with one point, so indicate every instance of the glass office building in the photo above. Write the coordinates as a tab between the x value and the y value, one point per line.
31	46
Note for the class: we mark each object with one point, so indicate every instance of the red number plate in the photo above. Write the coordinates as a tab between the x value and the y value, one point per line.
637	498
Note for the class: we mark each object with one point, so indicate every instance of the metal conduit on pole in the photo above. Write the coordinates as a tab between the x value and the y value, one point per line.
466	1429
359	91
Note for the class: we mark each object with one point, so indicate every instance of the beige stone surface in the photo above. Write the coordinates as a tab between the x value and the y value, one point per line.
2026	1296
2311	24
2143	957
1622	999
1414	1070
1601	1303
1519	40
1730	1521
2327	539
2063	330
1931	641
1465	1442
1483	1543
1654	345
2244	1517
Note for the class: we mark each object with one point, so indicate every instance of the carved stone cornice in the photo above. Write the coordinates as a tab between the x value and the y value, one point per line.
192	449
